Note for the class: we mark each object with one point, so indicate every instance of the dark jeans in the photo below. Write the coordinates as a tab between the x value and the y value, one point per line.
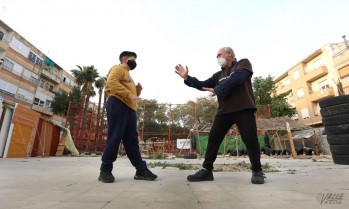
246	122
122	125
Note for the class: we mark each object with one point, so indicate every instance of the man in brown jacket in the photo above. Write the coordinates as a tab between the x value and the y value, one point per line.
236	105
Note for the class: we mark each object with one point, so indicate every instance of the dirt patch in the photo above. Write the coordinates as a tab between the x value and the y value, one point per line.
236	167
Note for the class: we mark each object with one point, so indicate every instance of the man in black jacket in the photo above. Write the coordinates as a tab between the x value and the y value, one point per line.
236	105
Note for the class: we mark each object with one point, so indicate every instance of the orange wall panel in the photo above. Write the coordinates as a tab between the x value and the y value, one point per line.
45	139
25	123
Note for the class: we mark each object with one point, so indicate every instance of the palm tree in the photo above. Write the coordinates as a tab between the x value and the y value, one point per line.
99	84
85	77
78	74
103	120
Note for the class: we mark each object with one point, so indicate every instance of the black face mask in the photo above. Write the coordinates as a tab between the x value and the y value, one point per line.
131	64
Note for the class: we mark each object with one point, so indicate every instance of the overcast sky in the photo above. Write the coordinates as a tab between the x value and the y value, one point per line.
273	34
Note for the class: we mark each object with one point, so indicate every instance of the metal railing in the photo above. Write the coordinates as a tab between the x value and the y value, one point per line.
11	70
5	41
21	97
51	75
6	92
311	91
340	52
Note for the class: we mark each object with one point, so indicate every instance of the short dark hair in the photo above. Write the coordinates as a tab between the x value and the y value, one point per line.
127	54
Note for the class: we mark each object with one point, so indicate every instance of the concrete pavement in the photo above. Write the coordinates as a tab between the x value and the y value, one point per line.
71	182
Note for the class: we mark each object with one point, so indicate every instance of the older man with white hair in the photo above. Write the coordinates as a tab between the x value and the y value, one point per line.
236	105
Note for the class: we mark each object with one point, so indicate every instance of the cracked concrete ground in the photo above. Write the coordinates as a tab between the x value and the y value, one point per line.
71	182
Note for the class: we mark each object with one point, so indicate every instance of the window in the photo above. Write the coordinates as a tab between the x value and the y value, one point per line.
1	35
324	84
317	63
8	64
26	73
47	85
8	88
32	57
316	108
13	67
344	72
300	93
17	69
54	72
19	47
287	82
41	84
25	95
296	75
305	113
33	80
38	61
36	101
48	104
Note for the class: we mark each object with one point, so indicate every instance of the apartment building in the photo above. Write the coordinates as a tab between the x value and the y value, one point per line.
315	78
28	76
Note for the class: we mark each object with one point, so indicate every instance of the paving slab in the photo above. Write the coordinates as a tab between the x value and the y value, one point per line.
71	182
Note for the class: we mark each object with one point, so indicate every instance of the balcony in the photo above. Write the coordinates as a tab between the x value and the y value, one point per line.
284	89
341	58
52	77
21	97
65	87
4	44
321	94
46	111
316	73
48	92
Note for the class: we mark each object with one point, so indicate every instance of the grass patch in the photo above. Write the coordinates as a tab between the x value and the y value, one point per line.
218	170
236	167
164	165
291	171
157	156
269	169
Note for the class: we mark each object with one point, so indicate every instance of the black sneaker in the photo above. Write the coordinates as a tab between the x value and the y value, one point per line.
202	175
106	177
257	177
145	175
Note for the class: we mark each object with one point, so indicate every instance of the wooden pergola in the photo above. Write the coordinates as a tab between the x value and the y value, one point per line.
279	124
285	124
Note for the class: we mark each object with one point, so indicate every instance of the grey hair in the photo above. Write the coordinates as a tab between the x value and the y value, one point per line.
229	49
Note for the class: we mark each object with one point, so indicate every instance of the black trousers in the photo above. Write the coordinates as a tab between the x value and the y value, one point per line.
246	122
122	125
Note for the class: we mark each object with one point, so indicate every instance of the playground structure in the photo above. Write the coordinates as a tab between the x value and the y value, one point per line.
89	132
92	134
32	135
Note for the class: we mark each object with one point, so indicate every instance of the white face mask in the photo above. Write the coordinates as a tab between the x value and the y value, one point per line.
221	61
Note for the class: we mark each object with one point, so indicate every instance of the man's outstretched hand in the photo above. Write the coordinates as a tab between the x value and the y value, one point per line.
181	71
210	90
